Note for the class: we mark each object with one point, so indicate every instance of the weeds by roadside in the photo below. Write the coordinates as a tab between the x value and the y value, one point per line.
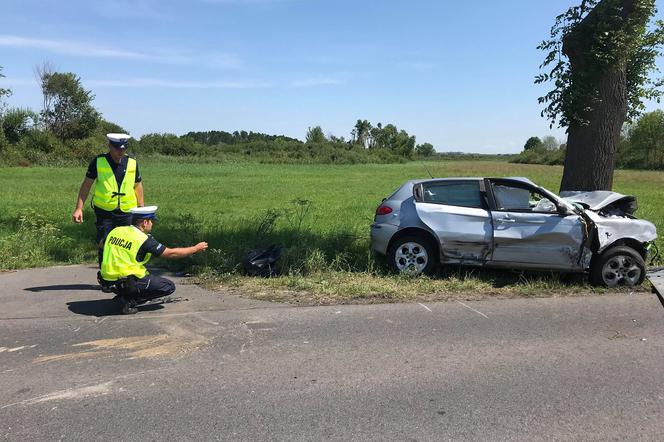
38	242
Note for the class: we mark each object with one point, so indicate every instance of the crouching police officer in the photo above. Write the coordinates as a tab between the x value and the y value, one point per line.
126	251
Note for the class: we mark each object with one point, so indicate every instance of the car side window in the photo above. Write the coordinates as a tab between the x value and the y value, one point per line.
466	194
521	199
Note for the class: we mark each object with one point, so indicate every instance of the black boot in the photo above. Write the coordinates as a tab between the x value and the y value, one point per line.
128	305
105	286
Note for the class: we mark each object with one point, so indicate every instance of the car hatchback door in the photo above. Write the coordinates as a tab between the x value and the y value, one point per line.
530	228
456	211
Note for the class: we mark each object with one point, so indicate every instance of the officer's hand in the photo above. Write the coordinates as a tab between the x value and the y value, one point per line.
77	216
201	246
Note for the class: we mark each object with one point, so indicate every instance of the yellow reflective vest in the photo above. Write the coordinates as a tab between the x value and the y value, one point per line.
120	250
107	195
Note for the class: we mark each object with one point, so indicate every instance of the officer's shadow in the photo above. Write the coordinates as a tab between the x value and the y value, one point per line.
93	307
104	307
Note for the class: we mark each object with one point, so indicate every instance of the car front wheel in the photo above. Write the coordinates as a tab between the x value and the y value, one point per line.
413	255
618	266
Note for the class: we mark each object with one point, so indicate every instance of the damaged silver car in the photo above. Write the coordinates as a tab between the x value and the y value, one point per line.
512	223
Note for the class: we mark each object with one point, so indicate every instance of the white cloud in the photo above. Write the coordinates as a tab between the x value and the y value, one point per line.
223	60
86	50
417	65
177	84
318	81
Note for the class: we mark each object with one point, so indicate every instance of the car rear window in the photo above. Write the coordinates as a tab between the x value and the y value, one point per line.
466	194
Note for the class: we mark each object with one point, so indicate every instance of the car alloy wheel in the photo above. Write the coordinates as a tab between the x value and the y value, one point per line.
621	270
411	257
618	266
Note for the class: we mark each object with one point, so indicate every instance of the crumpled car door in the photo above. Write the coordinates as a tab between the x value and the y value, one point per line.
529	230
456	213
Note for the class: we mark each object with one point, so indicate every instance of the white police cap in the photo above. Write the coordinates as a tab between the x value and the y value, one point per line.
147	212
118	140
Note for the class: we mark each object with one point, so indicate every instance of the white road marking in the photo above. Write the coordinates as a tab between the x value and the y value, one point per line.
470	308
10	350
424	306
3	349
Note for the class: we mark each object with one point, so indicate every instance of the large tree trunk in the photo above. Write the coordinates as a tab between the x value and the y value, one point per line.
592	145
591	148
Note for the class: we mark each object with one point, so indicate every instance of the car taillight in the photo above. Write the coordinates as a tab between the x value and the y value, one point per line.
383	210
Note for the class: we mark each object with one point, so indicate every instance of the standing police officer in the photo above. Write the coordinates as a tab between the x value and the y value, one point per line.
118	189
127	250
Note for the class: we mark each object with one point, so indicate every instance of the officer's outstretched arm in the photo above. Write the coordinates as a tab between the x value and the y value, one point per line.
182	252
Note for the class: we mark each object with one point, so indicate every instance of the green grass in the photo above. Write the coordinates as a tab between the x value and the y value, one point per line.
320	213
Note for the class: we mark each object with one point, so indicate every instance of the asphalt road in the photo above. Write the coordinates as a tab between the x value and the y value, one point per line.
219	367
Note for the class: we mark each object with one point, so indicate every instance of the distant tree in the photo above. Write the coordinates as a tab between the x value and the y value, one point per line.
167	144
404	144
4	94
17	123
550	143
43	73
599	57
105	127
646	141
532	143
362	133
337	140
315	135
425	150
383	137
216	137
69	113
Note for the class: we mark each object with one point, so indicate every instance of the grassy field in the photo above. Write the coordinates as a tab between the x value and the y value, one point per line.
320	213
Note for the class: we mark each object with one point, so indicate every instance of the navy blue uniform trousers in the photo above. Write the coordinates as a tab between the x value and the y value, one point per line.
153	286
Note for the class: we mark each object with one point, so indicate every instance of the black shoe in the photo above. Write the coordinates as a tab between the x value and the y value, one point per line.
105	286
128	305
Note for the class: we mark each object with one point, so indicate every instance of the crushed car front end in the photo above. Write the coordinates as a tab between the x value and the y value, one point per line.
612	218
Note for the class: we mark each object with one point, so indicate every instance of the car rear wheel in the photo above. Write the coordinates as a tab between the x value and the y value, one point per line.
618	266
413	255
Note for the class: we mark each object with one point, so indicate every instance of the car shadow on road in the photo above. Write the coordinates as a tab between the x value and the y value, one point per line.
63	287
104	307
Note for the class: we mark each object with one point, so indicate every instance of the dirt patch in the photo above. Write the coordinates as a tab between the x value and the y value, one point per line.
175	343
69	394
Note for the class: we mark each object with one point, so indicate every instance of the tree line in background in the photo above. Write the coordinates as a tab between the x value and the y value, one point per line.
69	130
641	146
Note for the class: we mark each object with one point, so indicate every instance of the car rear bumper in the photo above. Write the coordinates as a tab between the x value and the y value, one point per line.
380	236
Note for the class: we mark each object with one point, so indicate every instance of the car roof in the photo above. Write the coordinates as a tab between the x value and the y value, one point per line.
514	178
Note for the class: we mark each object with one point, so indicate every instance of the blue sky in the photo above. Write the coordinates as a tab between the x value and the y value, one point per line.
456	74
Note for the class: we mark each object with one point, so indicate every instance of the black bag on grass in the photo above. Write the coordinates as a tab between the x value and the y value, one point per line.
262	262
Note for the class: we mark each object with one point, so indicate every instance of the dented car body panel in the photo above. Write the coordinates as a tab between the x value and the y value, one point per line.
446	221
549	240
510	223
616	228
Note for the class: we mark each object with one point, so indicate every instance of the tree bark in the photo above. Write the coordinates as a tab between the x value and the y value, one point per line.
591	147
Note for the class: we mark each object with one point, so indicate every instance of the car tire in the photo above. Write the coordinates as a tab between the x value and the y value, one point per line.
412	254
620	265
